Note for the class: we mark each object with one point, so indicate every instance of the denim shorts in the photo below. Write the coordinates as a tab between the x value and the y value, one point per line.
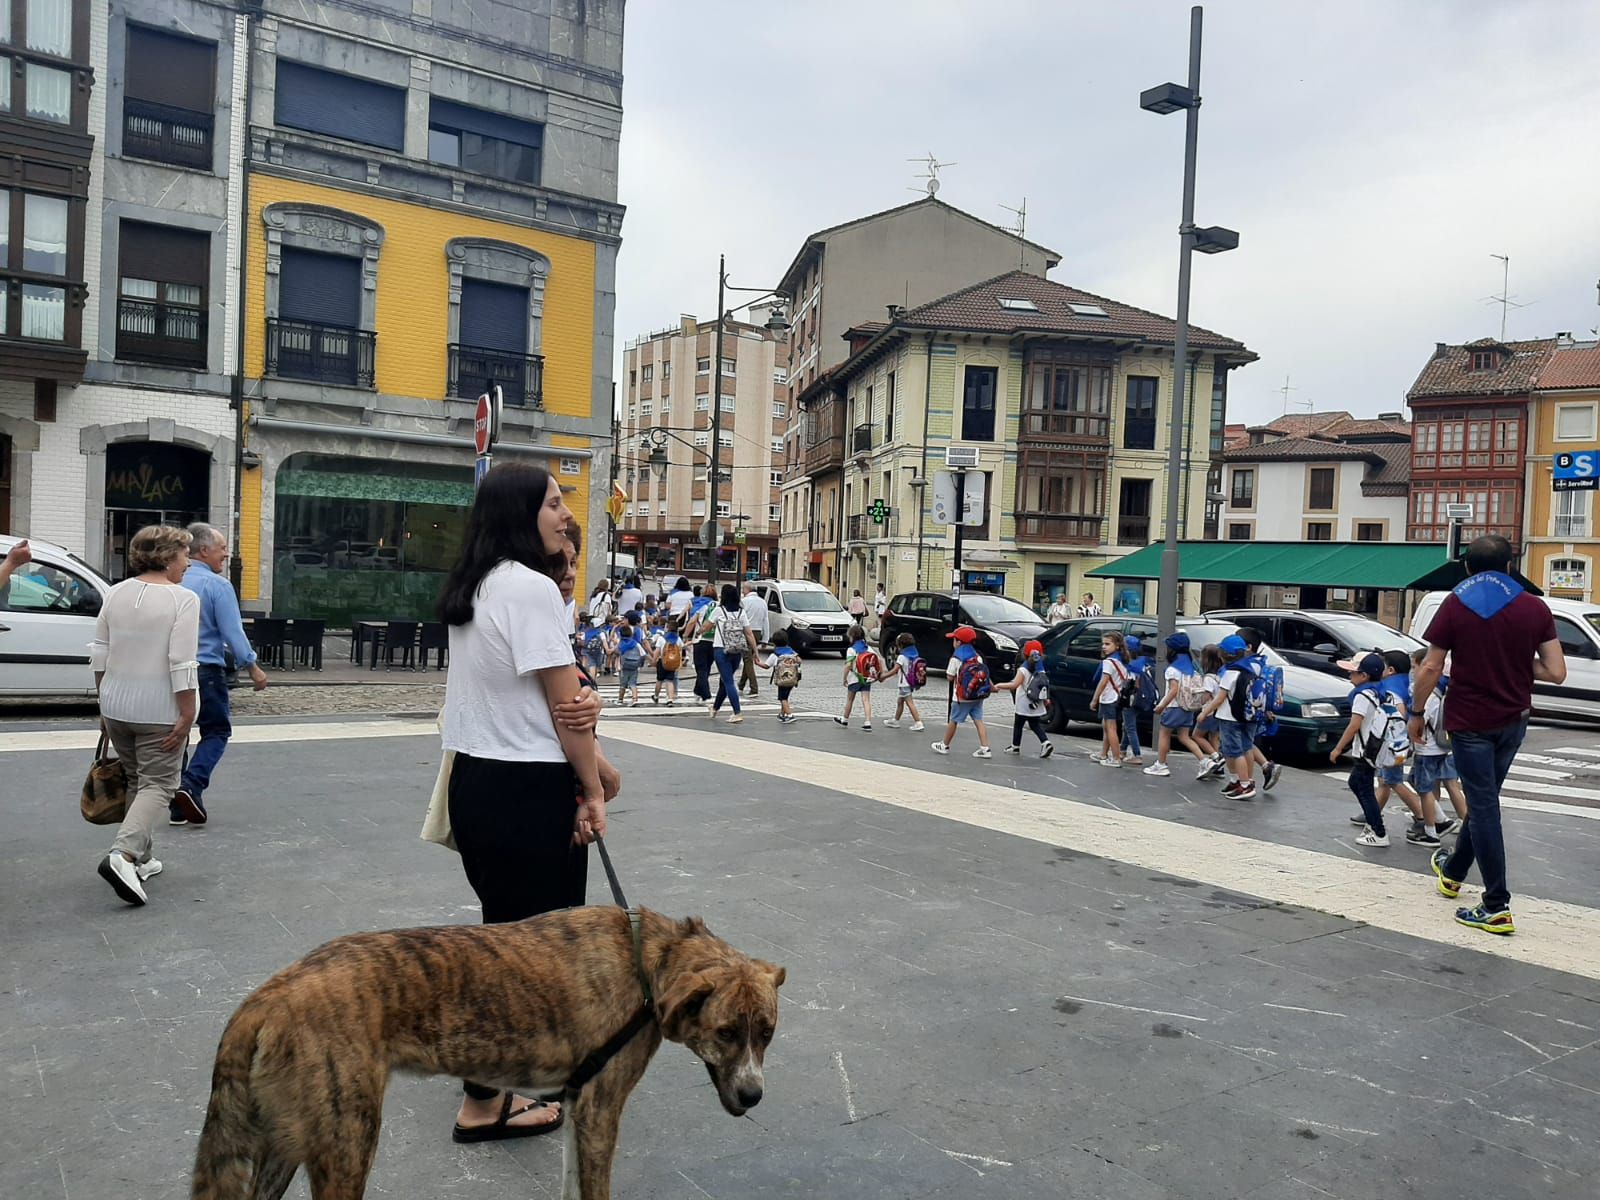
860	687
630	677
1392	776
1108	712
1430	770
964	710
1237	739
1173	717
904	693
1207	725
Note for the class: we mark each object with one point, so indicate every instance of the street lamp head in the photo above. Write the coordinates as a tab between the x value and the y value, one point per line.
1167	98
1214	239
777	322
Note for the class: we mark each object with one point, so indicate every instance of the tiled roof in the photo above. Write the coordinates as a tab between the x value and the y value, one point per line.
1449	372
1354	427
1299	425
977	308
1235	435
1393	477
1301	449
1572	367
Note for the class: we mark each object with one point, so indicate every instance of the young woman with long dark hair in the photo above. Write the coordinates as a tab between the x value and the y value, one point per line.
525	793
731	640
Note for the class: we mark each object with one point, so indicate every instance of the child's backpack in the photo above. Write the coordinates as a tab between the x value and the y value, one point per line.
672	656
916	673
1192	692
972	680
1145	697
868	666
786	671
632	652
1384	739
1038	685
1246	707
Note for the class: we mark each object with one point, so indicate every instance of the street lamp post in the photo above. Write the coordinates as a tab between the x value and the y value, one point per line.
1169	98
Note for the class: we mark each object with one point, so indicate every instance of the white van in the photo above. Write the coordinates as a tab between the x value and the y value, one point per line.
48	612
1578	629
816	621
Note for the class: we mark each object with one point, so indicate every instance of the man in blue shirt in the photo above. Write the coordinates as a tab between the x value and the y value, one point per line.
221	633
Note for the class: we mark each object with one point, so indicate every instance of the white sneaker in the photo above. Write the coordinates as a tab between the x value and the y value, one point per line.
916	726
1368	838
841	723
1046	750
940	748
123	878
1108	761
891	723
736	719
147	869
866	727
1158	769
983	752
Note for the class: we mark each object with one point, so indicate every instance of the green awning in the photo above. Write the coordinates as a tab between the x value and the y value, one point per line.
357	485
1313	564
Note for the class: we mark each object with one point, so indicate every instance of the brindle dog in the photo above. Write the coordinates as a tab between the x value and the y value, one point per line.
301	1070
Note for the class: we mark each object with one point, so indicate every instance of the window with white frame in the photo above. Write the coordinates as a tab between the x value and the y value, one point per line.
777	479
646	372
773	513
724	508
697	508
1571	514
780	375
1575	422
780	409
645	408
777	445
728	366
642	510
702	366
1568	574
702	439
725	439
730	404
702	404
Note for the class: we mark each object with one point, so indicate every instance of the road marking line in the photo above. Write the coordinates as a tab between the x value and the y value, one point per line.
1578	750
243	735
1517	802
1563	937
1517	768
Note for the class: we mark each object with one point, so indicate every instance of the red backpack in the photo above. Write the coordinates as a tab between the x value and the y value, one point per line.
868	666
972	680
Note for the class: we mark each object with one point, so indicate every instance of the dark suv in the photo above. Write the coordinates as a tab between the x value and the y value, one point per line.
930	617
1318	638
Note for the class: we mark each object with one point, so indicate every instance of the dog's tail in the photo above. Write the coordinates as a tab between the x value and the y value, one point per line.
224	1165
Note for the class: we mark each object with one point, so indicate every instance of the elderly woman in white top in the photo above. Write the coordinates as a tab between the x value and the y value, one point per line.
145	669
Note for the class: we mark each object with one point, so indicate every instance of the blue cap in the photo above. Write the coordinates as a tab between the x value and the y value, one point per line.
1232	644
1133	644
1178	641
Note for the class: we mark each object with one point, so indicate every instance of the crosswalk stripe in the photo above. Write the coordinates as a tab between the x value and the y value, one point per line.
1539	772
86	739
1578	750
1508	800
1550	760
1563	937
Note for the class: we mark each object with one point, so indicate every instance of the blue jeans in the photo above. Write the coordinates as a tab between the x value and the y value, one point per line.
727	679
1361	784
216	727
1482	759
1130	731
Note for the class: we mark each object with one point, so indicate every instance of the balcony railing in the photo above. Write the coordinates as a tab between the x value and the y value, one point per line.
321	353
1133	531
1571	527
1139	433
148	331
473	369
859	524
1041	424
1074	529
861	439
824	456
166	134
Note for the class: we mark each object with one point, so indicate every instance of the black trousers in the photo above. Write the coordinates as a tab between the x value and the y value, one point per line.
513	825
1019	722
703	651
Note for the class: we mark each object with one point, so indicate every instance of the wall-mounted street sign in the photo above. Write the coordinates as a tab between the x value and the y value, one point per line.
1575	471
960	456
944	498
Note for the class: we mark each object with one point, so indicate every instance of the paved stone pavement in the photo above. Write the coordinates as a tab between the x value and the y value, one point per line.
968	1013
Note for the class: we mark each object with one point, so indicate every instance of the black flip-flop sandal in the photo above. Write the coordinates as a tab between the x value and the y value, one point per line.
502	1130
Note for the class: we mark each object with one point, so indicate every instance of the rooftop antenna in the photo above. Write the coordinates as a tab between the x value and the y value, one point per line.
1505	299
930	185
1020	229
1286	389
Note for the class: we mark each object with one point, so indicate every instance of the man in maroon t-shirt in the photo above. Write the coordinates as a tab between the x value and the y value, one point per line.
1500	638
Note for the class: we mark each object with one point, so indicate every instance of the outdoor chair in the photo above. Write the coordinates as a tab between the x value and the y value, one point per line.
269	636
400	638
435	636
305	638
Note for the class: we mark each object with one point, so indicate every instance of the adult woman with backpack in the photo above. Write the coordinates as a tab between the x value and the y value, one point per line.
1176	710
731	639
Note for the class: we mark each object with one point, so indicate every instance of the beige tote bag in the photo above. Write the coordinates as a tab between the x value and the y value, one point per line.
436	825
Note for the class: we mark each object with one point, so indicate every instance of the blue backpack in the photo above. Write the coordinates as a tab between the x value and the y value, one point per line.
1266	691
1248	709
1144	699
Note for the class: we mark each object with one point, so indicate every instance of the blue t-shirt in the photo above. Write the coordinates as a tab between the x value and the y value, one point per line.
1398	686
859	647
780	651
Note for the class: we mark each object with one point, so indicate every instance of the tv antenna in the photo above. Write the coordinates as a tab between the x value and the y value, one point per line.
930	185
1020	229
1505	299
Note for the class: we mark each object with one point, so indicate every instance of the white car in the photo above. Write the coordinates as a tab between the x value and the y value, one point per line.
816	621
49	609
1578	630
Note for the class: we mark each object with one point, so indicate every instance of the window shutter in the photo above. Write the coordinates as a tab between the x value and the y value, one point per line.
340	105
164	253
487	124
163	68
324	289
494	316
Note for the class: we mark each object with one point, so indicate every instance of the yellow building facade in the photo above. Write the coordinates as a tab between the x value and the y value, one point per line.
1561	548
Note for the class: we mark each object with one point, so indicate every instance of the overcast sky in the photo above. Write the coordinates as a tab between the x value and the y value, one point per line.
1372	156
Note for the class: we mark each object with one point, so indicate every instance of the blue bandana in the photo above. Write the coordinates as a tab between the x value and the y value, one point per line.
1487	592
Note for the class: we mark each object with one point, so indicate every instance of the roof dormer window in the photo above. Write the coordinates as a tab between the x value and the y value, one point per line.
1485	360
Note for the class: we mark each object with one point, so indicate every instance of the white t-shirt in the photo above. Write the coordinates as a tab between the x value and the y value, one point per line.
1430	727
1026	707
755	612
678	602
880	602
1230	682
494	702
1171	676
730	627
1116	673
630	597
1210	684
599	608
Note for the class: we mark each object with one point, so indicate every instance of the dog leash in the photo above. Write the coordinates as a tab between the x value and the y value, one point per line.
646	1013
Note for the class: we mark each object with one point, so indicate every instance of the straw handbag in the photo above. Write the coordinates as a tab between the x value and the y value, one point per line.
105	789
436	825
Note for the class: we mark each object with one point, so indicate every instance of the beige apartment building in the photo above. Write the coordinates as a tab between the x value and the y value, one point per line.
848	277
665	447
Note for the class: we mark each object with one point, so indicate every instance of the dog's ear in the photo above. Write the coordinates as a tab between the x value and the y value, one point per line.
772	971
681	1003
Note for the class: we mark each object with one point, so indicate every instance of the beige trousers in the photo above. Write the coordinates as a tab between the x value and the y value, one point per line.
153	775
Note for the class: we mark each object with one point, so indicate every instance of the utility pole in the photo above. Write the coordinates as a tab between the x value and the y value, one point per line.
713	478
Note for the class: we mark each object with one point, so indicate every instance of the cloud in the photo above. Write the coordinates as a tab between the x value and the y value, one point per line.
1373	156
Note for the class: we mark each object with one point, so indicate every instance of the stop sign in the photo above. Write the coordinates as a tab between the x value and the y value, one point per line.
483	423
